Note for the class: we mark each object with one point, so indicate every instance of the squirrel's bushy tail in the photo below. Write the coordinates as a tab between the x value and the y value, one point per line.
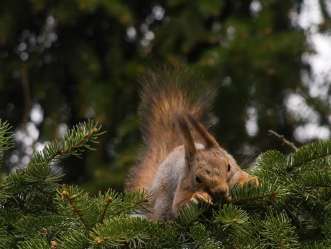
165	95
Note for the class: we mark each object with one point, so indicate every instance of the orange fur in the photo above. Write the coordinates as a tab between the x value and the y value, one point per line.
165	95
182	161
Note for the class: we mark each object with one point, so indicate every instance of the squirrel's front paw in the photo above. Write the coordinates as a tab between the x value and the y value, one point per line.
241	178
201	197
253	180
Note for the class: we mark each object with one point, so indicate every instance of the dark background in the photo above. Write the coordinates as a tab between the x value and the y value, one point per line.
62	62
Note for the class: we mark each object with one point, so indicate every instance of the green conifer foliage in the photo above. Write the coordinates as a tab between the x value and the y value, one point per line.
289	209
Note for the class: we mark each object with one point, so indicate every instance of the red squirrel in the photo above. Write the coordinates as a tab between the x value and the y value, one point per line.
182	161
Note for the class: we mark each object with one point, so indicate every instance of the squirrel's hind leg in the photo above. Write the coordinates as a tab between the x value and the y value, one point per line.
161	208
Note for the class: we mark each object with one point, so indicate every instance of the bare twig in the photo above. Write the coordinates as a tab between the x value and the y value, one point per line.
283	139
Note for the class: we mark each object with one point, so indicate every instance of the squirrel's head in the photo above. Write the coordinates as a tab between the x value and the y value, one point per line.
211	168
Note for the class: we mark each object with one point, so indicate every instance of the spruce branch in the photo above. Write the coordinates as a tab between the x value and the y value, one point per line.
292	201
129	202
203	238
271	165
66	196
73	238
80	138
263	194
308	154
33	243
35	185
131	232
108	201
6	137
317	245
283	139
316	179
233	218
278	232
189	214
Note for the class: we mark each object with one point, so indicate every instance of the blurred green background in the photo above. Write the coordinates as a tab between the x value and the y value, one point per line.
62	62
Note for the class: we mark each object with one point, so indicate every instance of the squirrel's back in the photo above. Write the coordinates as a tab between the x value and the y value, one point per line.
165	95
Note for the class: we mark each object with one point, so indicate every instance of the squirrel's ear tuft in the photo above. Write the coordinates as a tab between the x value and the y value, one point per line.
209	140
189	146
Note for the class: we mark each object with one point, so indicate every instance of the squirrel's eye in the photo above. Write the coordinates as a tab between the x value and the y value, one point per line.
198	179
229	167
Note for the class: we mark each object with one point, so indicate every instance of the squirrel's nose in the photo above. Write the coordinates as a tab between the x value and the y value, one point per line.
220	192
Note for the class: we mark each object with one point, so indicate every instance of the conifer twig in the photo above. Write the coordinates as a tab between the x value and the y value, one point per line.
283	139
86	138
66	196
6	137
73	143
102	217
272	197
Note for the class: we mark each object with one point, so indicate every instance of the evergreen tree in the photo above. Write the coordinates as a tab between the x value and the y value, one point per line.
290	209
81	59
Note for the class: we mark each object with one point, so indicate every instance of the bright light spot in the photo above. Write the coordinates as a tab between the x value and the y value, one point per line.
27	141
13	159
62	130
22	46
297	106
29	151
230	31
37	114
131	33
144	42
53	37
309	19
311	131
149	35
251	122
19	135
40	146
26	136
310	15
50	21
321	67
32	130
25	160
255	7
158	12
24	56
